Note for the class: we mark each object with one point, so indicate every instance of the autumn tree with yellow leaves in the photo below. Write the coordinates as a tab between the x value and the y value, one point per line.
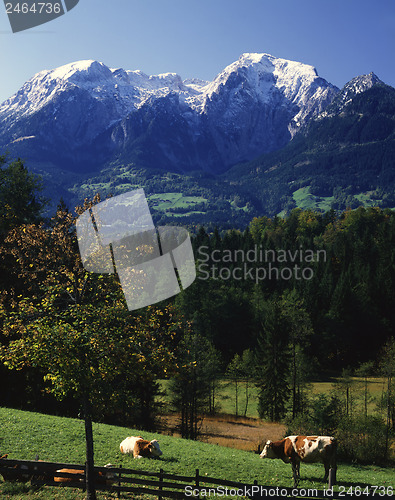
74	327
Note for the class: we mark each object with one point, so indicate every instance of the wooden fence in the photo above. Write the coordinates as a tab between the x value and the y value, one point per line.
159	484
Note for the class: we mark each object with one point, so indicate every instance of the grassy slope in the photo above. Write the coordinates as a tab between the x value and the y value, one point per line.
25	434
306	201
225	398
167	201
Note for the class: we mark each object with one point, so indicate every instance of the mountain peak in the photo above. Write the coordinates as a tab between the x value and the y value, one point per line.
263	79
258	66
255	105
361	83
356	86
254	58
88	68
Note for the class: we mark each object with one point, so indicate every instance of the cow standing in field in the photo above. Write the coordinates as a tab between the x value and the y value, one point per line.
308	449
140	447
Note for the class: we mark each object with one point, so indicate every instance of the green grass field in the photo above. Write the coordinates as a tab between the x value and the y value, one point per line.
25	434
226	395
367	200
307	201
168	201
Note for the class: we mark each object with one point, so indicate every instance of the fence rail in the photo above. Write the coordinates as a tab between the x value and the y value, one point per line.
159	484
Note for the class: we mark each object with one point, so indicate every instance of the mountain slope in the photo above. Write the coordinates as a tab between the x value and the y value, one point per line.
83	114
264	136
344	157
59	115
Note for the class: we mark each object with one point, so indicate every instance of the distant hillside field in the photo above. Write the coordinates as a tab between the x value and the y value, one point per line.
25	434
226	395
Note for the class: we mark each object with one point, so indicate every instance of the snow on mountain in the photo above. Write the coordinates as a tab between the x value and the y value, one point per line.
256	104
196	83
266	77
86	109
128	89
357	85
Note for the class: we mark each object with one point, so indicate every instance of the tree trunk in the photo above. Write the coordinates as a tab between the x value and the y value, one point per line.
89	469
347	400
212	398
293	380
237	405
387	431
246	392
366	397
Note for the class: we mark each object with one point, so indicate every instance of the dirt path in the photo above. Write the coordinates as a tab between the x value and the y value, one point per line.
227	430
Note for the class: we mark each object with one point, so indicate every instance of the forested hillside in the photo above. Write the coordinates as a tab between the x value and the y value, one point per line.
296	297
345	158
338	270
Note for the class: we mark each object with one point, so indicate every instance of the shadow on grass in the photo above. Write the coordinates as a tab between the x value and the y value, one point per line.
339	482
169	460
353	484
315	479
14	488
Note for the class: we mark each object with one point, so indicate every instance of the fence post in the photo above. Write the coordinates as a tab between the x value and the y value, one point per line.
85	469
160	483
197	479
119	484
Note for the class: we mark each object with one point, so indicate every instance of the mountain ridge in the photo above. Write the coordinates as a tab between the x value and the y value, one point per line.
70	115
342	159
265	133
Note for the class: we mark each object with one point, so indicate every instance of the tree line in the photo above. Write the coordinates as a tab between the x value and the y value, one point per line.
68	343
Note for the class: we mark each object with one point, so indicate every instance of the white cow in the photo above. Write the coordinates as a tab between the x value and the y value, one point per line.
140	447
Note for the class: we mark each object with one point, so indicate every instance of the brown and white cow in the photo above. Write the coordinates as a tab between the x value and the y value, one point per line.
308	449
140	447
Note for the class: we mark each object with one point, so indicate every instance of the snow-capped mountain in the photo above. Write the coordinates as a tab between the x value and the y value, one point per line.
256	105
265	77
124	89
354	87
83	114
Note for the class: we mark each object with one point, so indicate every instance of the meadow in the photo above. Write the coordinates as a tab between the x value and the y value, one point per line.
307	201
26	434
226	395
168	202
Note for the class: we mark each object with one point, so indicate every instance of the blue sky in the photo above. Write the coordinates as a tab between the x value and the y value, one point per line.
341	38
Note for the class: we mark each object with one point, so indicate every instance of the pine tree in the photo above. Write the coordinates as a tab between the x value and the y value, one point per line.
190	388
298	325
272	359
20	200
387	368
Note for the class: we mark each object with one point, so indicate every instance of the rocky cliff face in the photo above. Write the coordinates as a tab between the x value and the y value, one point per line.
83	114
354	87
